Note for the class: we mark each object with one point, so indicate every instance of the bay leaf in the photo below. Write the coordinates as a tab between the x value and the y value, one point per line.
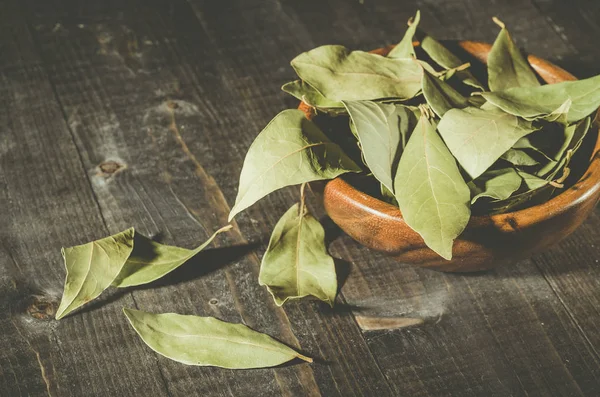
387	195
311	96
296	263
207	341
507	67
477	138
573	137
535	102
526	143
532	182
91	268
340	74
382	130
290	150
440	96
519	157
431	193
497	184
150	260
448	60
405	48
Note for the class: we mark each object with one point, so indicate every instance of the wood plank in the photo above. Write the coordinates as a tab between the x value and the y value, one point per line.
153	94
47	202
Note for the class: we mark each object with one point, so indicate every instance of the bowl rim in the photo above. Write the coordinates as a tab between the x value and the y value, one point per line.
586	186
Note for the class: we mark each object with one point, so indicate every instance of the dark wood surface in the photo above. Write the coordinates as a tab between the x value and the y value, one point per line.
139	113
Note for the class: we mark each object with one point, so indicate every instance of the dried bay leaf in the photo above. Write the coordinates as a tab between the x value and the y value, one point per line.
150	260
519	157
91	268
496	184
477	138
440	96
382	130
432	195
405	49
296	263
531	181
207	341
311	96
573	136
448	60
340	74
290	150
507	67
535	102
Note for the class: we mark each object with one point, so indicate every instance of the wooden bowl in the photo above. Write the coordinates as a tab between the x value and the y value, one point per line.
488	240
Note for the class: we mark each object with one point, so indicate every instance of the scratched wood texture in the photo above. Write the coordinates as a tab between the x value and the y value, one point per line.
139	113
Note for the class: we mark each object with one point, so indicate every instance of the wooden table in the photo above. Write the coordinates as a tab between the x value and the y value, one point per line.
139	113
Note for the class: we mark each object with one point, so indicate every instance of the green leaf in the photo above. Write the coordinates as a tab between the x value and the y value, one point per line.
477	138
91	268
432	195
531	181
311	96
440	95
150	260
519	157
405	49
382	130
290	150
507	67
534	187
446	59
387	195
206	341
340	74
560	114
496	184
573	136
296	263
535	102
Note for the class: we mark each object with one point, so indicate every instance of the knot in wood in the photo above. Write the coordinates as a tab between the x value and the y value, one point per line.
110	167
41	308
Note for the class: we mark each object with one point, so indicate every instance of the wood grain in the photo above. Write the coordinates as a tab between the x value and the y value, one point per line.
140	113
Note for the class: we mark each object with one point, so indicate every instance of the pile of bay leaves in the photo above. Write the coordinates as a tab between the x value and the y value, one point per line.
440	143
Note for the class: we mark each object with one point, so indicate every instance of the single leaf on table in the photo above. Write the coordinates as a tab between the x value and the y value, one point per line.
150	260
507	67
519	157
311	96
440	96
296	263
290	150
496	184
536	102
382	130
477	138
91	268
448	60
340	74
207	341
405	49
431	193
